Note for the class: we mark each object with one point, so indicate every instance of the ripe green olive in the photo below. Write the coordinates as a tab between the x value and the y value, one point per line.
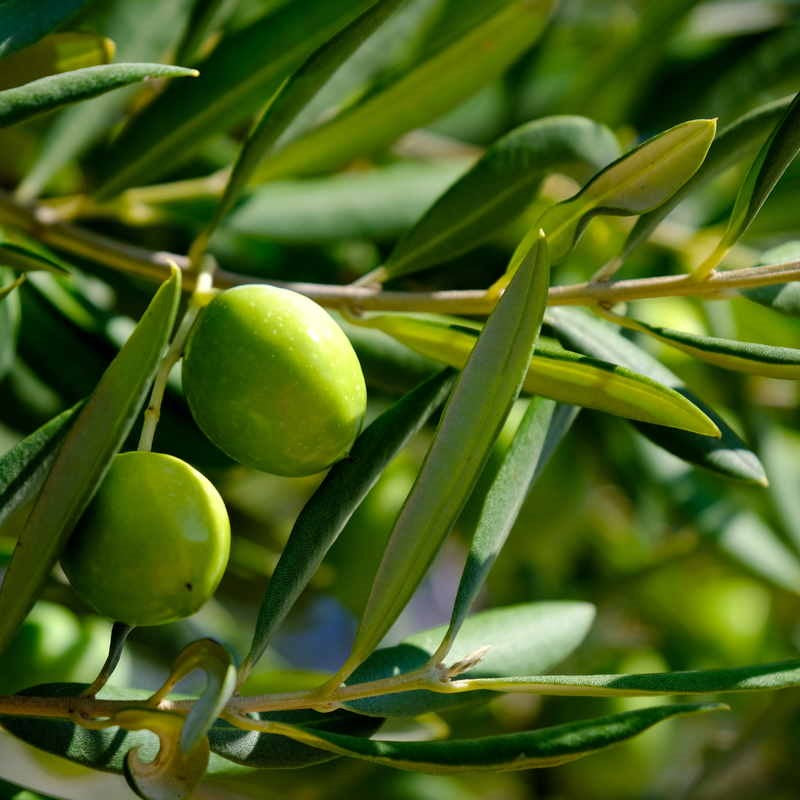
153	544
273	381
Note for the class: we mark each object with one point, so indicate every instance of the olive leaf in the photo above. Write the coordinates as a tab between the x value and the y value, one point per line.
298	91
485	37
24	253
236	79
540	431
487	387
94	436
59	52
756	678
9	318
6	290
338	496
772	160
216	662
728	455
522	639
174	772
637	182
24	466
499	187
205	17
22	24
559	374
137	38
748	357
48	93
546	747
736	141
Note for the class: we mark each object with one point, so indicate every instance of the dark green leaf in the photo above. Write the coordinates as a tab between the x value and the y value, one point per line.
728	455
485	39
499	187
783	297
85	453
23	22
547	747
772	160
518	637
489	383
24	253
338	496
9	319
236	80
48	93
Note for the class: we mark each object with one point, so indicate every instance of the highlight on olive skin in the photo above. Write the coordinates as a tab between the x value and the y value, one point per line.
153	544
273	381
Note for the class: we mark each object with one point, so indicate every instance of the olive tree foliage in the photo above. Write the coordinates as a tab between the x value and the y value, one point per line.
479	192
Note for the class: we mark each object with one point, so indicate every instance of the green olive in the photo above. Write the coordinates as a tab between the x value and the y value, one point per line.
273	381
153	544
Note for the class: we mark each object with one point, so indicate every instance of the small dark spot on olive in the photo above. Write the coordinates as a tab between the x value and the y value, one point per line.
188	586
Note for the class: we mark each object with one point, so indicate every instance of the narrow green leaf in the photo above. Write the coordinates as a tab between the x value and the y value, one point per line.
138	38
772	160
749	357
539	433
24	253
781	449
738	140
48	93
22	22
59	52
380	203
500	186
24	466
496	34
206	16
519	637
560	375
299	90
546	747
728	455
237	79
636	183
94	436
489	383
338	496
757	678
9	319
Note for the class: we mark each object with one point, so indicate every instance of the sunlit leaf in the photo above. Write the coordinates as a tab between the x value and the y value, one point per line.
84	455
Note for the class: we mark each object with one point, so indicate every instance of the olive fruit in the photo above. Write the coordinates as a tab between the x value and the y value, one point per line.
273	381
153	544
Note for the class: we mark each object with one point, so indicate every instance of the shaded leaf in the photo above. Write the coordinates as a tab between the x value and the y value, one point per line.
24	466
23	22
546	747
4	291
519	637
539	433
772	160
338	496
24	253
500	186
84	455
749	357
728	455
298	91
560	375
9	319
760	677
236	79
733	143
138	38
489	383
48	93
59	52
783	297
486	37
